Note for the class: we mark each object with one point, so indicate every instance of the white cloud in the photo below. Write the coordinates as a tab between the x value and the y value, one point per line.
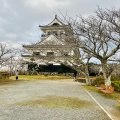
47	3
19	19
11	36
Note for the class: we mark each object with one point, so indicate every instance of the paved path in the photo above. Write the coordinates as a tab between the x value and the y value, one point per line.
13	94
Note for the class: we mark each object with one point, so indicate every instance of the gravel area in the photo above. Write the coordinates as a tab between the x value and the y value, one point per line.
13	94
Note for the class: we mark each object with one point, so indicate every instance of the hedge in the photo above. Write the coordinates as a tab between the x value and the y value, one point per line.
115	82
116	85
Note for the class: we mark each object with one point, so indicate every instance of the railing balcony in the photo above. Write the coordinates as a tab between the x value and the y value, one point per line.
26	55
56	34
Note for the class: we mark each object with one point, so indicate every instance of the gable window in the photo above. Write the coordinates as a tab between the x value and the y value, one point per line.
55	24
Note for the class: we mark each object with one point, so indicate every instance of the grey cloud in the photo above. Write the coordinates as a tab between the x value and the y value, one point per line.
19	20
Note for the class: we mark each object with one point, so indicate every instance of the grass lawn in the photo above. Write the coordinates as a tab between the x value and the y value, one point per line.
58	102
33	77
7	81
40	77
115	95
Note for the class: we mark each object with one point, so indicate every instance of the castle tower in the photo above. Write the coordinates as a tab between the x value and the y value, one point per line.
57	44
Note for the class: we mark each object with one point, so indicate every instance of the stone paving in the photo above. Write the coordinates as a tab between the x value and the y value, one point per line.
13	94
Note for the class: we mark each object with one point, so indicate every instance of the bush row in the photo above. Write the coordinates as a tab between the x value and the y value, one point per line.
115	82
116	85
98	80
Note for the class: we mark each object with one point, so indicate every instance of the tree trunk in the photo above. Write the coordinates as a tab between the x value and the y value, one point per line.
108	81
87	78
106	73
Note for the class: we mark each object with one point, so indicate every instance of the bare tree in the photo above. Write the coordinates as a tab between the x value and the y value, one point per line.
81	65
5	53
15	64
100	37
8	58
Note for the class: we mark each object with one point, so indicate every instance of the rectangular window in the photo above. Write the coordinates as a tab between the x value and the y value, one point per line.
50	53
36	53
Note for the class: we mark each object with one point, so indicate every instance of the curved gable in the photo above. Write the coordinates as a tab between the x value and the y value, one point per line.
56	22
51	40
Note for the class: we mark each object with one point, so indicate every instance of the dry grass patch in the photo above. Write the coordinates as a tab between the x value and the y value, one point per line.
58	102
117	105
92	88
115	95
41	77
7	81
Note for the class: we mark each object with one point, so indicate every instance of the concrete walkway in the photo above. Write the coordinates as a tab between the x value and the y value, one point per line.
12	95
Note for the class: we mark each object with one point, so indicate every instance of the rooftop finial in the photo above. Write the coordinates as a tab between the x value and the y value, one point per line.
56	16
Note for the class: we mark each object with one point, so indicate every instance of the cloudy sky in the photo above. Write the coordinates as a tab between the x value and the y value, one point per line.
19	19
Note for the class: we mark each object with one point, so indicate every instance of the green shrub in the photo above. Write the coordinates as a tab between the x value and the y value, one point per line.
115	82
99	80
115	78
116	85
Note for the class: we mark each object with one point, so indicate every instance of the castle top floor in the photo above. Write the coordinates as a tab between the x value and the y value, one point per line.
56	27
